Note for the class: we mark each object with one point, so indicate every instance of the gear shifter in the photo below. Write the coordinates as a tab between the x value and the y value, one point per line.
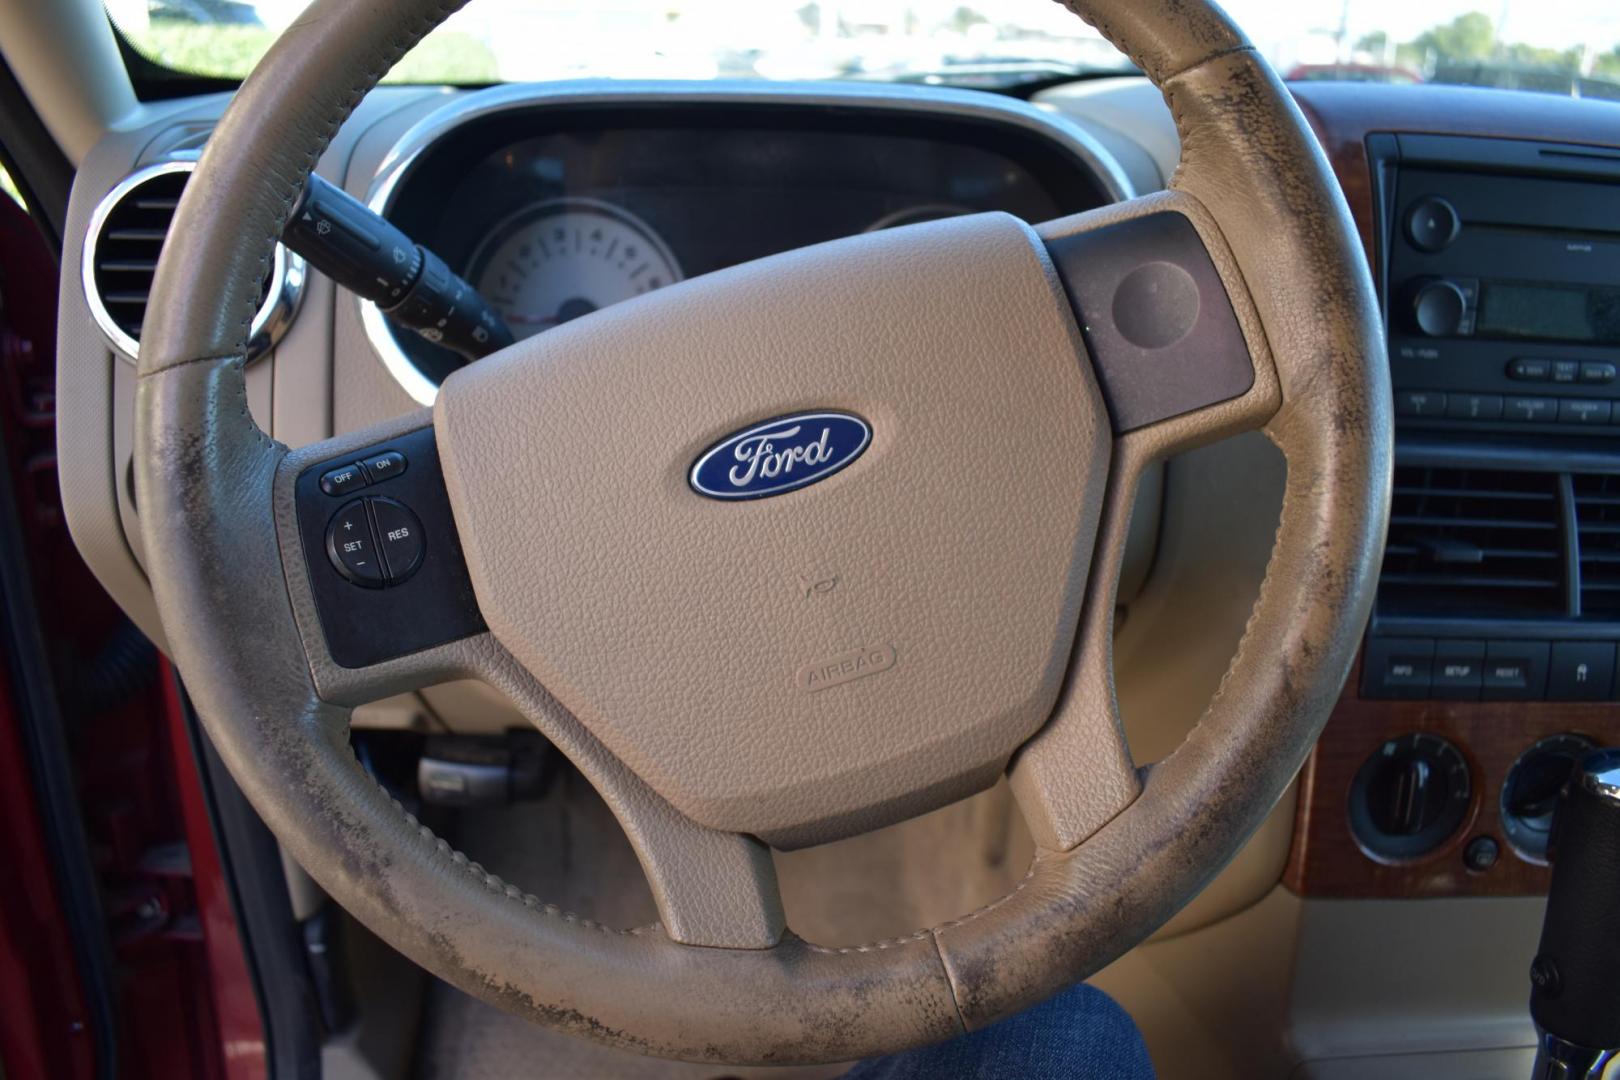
1575	977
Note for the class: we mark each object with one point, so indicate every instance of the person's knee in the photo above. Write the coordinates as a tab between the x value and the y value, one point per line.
1079	1034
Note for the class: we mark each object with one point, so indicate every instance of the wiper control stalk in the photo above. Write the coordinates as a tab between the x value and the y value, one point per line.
365	253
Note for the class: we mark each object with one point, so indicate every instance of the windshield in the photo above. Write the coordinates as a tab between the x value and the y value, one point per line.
1570	47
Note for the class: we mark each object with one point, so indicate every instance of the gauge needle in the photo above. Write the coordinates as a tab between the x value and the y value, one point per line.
570	309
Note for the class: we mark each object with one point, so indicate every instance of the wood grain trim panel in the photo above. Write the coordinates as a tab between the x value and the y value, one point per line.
1326	860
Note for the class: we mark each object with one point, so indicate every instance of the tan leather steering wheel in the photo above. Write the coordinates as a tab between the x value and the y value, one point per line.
663	640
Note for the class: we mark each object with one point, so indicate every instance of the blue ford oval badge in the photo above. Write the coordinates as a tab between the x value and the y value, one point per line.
780	455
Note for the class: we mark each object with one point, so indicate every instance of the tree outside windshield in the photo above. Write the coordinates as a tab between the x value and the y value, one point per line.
1570	48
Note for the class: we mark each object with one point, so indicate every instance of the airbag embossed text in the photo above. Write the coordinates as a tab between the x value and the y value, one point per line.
845	667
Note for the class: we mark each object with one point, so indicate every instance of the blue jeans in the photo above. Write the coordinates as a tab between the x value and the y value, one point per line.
1079	1035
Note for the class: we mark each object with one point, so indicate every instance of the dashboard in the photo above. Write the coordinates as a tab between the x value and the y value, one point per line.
1490	228
1489	225
1489	668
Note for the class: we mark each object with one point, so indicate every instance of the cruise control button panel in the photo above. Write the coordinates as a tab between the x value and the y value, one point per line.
382	554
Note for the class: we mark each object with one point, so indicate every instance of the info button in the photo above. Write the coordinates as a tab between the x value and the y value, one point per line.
1397	668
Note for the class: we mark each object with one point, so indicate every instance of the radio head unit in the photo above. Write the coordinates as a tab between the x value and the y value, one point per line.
1501	274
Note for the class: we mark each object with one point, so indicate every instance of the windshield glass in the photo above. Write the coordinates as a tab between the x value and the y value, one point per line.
1570	47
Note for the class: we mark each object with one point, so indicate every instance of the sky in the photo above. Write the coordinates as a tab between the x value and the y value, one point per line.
1272	24
1287	31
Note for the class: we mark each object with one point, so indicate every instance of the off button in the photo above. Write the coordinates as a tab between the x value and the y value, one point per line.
352	548
399	534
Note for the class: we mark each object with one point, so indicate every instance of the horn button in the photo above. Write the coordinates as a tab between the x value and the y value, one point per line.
877	632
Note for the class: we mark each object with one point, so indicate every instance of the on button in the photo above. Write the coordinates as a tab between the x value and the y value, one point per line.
384	466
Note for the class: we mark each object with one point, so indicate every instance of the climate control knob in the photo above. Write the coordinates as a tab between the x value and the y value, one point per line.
1530	793
1410	796
1439	308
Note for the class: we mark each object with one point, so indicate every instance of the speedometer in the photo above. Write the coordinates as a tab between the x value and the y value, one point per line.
563	258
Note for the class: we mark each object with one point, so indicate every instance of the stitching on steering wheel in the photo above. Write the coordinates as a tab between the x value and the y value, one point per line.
493	883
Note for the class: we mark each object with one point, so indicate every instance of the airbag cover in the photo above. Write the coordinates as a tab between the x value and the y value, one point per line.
844	653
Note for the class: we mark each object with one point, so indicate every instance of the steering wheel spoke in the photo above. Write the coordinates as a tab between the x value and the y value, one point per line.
712	887
1175	341
1182	361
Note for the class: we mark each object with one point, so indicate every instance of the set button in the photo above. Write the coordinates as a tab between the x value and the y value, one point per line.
375	542
353	548
356	475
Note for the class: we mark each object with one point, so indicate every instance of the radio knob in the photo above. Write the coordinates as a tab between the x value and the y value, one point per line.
1432	224
1438	308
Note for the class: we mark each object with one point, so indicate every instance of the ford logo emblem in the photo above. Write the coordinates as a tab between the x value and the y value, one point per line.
780	455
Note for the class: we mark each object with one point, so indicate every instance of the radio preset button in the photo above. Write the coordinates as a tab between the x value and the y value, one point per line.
1474	406
1531	410
1583	411
1530	369
1598	373
1420	403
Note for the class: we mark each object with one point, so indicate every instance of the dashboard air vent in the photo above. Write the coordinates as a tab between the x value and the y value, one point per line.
1475	543
1597	514
121	253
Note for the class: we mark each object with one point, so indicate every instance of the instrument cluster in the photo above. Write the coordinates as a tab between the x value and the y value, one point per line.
555	213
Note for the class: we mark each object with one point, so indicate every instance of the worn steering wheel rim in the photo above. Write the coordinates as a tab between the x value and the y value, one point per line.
720	980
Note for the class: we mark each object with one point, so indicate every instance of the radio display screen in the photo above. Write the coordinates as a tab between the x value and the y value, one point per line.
1549	312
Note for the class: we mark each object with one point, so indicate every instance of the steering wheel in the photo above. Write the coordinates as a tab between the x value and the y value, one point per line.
966	565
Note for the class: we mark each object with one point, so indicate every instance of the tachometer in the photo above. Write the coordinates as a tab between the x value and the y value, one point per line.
563	258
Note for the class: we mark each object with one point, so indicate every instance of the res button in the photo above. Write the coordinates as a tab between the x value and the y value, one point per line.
399	533
352	548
